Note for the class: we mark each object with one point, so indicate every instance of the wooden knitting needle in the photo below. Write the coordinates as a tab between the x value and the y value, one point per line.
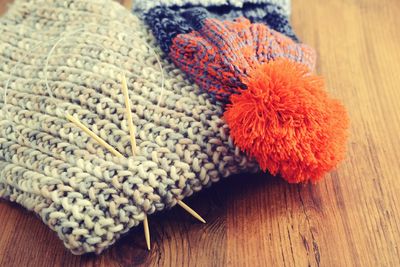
146	231
129	114
133	146
115	153
191	211
93	135
133	142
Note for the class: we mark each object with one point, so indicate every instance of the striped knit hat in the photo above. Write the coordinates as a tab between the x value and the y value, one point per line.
50	166
276	107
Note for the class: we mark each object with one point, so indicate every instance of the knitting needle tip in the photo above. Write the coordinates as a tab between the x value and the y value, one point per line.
191	211
146	231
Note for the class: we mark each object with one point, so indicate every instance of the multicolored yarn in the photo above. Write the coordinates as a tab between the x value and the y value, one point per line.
167	22
274	16
221	53
48	165
277	109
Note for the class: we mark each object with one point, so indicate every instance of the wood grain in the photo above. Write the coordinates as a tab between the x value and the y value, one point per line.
352	218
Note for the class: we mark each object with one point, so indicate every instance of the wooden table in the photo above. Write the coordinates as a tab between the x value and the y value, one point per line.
352	218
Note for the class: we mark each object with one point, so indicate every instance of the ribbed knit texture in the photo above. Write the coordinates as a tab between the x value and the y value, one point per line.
51	167
167	22
220	53
273	15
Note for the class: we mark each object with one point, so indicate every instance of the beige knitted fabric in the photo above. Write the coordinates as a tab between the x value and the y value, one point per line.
48	165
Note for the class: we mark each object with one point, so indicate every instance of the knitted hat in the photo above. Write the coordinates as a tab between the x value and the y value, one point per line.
276	108
50	166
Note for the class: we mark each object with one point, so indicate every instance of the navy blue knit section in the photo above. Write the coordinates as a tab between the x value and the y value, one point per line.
195	16
167	22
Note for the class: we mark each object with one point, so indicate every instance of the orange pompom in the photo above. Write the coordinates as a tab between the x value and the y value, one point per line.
287	122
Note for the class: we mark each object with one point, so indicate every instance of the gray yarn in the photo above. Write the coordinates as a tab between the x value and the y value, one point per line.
51	167
143	6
